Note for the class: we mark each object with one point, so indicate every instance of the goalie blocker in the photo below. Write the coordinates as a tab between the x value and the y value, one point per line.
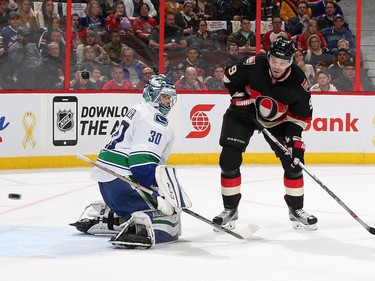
145	227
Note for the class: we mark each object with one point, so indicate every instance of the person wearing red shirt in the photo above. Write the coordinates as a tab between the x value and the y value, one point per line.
118	82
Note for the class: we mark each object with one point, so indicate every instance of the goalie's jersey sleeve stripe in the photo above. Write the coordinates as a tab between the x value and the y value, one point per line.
112	157
138	159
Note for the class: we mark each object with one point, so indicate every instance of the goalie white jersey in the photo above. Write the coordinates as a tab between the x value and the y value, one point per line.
142	141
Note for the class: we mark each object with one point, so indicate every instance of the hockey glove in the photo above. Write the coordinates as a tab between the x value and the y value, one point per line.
244	109
297	150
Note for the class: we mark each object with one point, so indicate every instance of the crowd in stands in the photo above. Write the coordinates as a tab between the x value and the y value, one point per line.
115	44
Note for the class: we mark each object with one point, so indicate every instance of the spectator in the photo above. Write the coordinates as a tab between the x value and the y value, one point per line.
119	20
193	60
97	78
288	9
90	60
190	81
326	20
26	59
27	15
94	19
118	82
216	82
147	73
233	54
347	81
297	25
244	38
132	68
270	36
4	13
143	24
315	53
205	10
108	7
187	20
10	32
174	39
320	8
89	40
114	47
337	67
75	37
173	6
52	68
307	69
268	9
46	14
131	8
170	70
310	30
234	10
55	35
205	40
324	83
333	34
81	81
344	44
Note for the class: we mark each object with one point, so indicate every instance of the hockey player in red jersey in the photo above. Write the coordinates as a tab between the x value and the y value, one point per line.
275	91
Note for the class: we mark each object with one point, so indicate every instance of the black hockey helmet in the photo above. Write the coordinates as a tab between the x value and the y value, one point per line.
282	48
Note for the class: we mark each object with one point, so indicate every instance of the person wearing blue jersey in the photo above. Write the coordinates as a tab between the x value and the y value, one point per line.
141	143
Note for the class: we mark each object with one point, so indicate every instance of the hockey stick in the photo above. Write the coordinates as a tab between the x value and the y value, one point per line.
242	234
315	178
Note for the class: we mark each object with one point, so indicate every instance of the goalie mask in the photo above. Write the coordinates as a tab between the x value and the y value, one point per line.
160	93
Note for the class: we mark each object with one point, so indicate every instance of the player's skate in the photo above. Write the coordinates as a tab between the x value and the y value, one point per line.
226	219
302	220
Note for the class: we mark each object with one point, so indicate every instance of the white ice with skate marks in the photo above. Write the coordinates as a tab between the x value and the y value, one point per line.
36	242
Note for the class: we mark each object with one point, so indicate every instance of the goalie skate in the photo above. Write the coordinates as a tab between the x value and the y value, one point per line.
227	219
301	220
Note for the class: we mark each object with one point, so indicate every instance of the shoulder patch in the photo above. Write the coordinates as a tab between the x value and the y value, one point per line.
249	61
158	118
305	85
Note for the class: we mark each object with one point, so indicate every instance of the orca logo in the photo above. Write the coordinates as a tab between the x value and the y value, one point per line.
200	121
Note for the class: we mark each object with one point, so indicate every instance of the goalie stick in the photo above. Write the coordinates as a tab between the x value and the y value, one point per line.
315	178
242	234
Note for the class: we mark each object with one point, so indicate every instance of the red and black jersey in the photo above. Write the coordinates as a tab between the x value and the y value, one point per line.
277	101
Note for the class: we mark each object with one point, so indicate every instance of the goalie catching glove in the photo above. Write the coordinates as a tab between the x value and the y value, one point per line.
296	148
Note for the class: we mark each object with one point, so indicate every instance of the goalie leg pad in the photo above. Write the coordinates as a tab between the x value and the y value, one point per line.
166	228
170	188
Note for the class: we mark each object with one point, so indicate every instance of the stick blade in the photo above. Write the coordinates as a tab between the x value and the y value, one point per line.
248	231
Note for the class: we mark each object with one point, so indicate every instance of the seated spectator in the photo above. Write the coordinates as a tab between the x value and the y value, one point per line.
337	67
311	29
347	81
89	40
190	81
27	15
54	35
289	9
10	32
170	70
205	10
26	59
94	19
216	82
234	10
90	60
132	68
268	9
81	81
333	34
52	68
307	69
46	14
4	13
75	35
324	83
187	20
296	25
234	55
320	8
315	53
174	39
173	6
114	47
143	24
205	40
326	20
147	73
193	60
244	38
119	20
107	7
118	82
97	78
270	36
131	8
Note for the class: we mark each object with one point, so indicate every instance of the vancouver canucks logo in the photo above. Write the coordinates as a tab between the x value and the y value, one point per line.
158	118
65	120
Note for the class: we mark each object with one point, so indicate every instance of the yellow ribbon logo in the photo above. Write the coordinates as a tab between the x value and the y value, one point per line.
29	122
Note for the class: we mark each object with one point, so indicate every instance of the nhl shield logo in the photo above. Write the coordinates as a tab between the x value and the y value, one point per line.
65	120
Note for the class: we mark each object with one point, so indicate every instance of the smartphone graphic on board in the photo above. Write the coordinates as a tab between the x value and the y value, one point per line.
65	120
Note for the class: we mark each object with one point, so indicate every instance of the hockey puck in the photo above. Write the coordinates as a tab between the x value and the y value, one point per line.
14	196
